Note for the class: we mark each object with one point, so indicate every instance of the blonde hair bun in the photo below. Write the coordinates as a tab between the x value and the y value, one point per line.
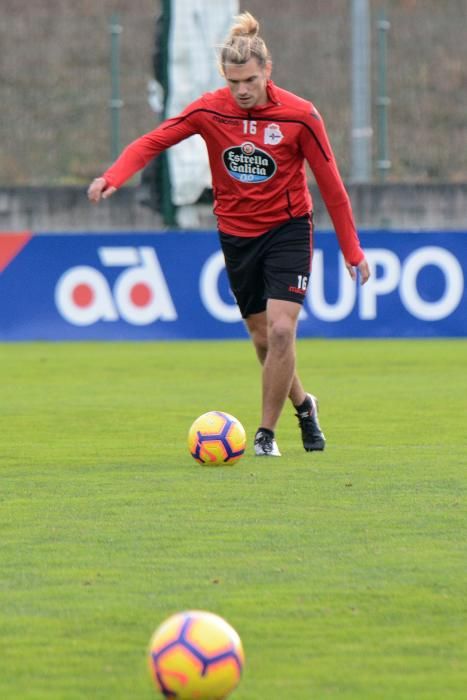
242	43
246	25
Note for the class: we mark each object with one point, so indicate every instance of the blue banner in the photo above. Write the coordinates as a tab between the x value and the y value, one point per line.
135	286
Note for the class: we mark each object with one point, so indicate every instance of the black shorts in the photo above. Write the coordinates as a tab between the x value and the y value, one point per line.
275	265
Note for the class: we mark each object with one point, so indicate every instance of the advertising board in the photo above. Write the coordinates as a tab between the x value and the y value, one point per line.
173	285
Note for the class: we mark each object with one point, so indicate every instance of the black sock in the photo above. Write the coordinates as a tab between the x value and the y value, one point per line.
267	431
305	406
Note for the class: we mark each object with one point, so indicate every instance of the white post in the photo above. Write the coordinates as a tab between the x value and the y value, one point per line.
361	92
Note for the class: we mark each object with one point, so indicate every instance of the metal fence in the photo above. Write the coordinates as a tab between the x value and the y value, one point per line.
55	81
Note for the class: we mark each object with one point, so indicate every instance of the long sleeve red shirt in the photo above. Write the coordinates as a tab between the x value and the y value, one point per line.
257	161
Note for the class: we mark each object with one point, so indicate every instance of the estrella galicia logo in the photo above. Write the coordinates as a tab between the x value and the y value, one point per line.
248	163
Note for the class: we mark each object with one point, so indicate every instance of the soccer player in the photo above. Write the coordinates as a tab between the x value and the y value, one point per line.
259	137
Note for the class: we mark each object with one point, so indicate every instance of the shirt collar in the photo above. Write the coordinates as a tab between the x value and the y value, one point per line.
273	98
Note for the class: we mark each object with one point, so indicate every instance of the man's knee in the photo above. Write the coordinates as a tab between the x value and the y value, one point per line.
282	324
281	332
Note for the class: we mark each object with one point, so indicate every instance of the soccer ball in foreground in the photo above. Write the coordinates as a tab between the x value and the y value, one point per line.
216	438
196	655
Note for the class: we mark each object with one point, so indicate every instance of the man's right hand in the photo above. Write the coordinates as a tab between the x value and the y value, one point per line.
98	190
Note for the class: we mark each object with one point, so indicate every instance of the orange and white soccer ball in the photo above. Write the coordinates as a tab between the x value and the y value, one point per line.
216	438
196	655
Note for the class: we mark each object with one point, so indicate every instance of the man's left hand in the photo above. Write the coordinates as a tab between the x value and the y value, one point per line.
362	267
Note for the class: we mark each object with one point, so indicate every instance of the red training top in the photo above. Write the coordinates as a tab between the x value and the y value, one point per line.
257	159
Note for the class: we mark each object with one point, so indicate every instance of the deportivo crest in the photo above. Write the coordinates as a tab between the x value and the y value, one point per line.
273	134
248	163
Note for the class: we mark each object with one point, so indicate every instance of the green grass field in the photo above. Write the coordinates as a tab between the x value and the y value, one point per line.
343	572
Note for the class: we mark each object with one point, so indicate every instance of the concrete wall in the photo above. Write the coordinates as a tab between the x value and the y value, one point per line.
422	206
399	206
